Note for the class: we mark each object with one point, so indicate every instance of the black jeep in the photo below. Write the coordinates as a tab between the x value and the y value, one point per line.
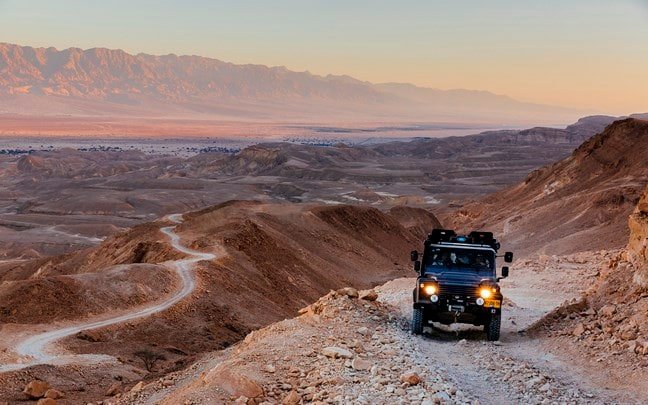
457	281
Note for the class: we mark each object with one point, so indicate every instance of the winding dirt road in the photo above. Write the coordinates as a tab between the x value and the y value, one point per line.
38	349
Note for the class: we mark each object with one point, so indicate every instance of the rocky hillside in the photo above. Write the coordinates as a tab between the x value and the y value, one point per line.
608	325
577	204
276	258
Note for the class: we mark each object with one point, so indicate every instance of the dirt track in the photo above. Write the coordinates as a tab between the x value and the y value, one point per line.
37	349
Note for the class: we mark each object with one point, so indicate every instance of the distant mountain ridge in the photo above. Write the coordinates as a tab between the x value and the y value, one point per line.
99	80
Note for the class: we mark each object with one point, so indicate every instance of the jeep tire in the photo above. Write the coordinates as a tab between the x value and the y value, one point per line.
492	327
417	321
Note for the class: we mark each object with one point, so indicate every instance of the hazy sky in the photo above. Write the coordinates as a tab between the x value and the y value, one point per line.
581	53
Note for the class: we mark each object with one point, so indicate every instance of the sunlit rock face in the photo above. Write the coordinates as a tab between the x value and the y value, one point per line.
638	244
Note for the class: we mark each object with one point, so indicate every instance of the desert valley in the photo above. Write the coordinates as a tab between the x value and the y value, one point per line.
177	229
99	302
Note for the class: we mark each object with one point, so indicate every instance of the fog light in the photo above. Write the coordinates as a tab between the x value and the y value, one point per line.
435	298
485	293
480	301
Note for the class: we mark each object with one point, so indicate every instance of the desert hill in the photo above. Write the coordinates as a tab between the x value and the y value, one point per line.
104	82
577	204
276	258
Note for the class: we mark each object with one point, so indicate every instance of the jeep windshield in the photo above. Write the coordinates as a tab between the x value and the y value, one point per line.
444	259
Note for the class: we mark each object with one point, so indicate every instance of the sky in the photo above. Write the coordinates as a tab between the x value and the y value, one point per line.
589	54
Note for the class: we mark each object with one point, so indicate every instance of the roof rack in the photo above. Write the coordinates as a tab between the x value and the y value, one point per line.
473	238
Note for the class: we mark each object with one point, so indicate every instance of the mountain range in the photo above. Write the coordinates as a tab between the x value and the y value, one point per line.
104	82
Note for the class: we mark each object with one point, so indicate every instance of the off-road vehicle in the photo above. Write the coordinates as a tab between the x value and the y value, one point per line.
457	281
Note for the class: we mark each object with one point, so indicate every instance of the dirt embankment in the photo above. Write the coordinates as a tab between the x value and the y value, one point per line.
577	204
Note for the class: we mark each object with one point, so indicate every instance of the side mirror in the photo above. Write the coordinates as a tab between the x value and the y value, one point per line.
505	271
417	266
508	257
414	255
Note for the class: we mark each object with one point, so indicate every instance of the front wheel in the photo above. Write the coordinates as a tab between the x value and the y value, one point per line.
417	321
492	328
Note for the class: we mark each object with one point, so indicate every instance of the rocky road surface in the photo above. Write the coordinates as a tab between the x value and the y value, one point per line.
355	347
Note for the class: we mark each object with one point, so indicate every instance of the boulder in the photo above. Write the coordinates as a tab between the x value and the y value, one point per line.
114	389
54	394
36	389
349	292
411	378
361	364
89	335
607	310
579	330
337	352
369	295
233	383
293	398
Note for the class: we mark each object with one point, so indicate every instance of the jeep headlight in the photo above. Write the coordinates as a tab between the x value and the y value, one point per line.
429	289
485	293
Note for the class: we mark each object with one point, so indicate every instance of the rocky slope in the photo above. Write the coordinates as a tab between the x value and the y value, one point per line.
608	325
580	203
275	258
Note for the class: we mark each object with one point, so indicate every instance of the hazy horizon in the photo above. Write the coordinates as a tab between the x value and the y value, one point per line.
586	54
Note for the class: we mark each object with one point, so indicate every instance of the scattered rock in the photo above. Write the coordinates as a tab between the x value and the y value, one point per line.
361	364
579	330
410	378
235	384
89	335
114	389
138	387
36	389
293	398
607	310
337	352
53	394
369	295
349	292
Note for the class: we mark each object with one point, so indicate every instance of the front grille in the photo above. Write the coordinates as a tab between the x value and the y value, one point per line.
452	290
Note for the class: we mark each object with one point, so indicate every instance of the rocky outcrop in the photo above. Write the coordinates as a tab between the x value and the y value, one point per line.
637	252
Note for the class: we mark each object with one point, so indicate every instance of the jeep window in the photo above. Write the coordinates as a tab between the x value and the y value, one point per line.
439	259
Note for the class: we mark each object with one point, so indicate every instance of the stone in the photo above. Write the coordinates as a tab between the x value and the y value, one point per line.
89	335
410	378
114	389
233	383
349	292
607	310
579	330
361	364
36	389
138	387
46	401
442	396
270	368
336	352
369	295
363	330
53	394
293	398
